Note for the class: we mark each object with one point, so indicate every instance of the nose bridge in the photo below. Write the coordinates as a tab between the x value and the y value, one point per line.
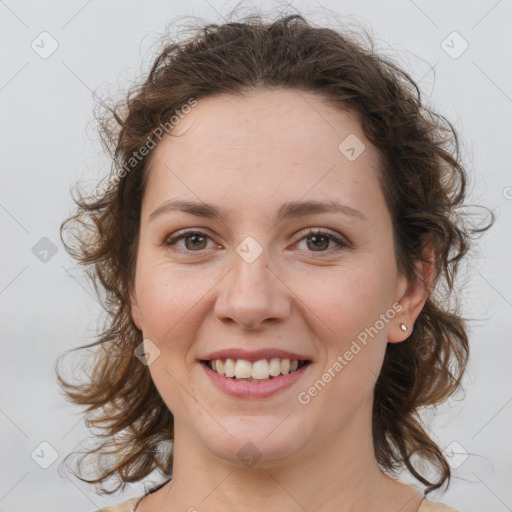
251	293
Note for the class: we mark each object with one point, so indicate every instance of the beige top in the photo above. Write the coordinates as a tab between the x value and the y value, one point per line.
425	506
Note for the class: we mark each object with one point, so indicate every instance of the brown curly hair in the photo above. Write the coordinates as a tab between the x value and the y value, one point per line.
423	181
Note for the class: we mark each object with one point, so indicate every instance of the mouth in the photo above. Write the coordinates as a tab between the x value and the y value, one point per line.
262	370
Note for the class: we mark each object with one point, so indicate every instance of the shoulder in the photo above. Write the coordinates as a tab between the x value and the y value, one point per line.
125	506
433	506
129	505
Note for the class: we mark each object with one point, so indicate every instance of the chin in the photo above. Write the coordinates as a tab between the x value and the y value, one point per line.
258	442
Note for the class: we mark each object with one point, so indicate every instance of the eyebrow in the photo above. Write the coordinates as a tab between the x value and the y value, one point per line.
287	210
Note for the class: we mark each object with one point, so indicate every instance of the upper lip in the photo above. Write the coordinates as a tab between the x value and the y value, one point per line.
255	355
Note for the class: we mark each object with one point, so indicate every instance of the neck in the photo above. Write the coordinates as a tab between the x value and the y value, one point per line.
349	477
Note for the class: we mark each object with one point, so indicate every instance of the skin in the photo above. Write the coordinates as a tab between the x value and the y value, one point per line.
248	155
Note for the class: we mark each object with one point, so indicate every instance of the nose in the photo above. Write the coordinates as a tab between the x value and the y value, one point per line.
252	295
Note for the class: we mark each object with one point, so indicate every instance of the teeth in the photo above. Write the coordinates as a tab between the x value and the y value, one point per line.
275	367
243	369
229	368
262	369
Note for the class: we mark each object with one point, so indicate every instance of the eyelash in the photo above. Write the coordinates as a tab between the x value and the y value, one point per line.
311	232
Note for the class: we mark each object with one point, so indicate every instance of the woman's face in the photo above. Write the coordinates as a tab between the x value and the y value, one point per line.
256	287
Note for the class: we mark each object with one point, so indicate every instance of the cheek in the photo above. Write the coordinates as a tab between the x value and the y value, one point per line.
348	305
163	298
173	302
348	298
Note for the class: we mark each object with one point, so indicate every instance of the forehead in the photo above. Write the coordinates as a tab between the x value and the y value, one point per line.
282	118
280	144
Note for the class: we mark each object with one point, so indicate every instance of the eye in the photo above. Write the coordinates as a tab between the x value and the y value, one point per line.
196	241
321	239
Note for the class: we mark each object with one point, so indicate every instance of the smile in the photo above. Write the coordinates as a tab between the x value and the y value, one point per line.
260	370
237	382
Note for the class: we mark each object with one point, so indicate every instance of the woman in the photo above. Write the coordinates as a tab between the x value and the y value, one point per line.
278	243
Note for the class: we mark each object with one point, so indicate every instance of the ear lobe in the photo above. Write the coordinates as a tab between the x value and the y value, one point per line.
413	298
135	310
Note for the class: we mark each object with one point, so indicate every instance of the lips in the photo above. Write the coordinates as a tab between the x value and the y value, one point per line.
254	373
255	365
248	388
255	355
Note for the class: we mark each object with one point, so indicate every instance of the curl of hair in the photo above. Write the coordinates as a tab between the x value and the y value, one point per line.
424	184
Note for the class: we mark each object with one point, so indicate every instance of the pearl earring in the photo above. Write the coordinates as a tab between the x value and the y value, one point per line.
403	327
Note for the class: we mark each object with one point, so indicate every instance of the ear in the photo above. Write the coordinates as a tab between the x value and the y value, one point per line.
135	310
412	295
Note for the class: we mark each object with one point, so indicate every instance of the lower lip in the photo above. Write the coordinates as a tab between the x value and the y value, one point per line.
245	389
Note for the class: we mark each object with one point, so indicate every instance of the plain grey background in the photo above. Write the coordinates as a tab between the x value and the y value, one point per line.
50	142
